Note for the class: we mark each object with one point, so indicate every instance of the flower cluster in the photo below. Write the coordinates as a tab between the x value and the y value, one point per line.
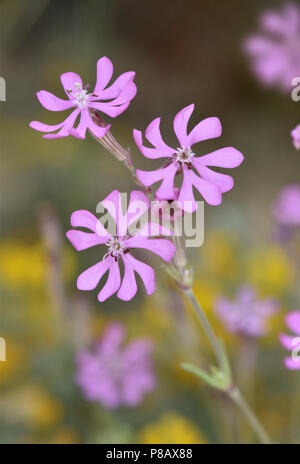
246	315
274	51
114	375
113	100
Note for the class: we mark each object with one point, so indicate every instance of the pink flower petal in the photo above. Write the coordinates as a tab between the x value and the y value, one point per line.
116	88
139	203
80	130
129	287
292	320
68	80
258	45
111	339
90	278
126	95
113	204
104	73
113	281
95	129
209	128
167	175
211	193
162	247
107	108
291	364
53	103
227	157
287	341
186	195
40	126
66	126
83	240
180	125
137	350
83	218
223	181
153	135
152	153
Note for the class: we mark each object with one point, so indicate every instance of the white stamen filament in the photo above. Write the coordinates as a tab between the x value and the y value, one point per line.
183	155
116	247
81	97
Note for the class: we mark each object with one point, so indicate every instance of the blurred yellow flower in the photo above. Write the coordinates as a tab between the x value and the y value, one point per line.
270	270
21	264
31	405
219	255
171	428
26	265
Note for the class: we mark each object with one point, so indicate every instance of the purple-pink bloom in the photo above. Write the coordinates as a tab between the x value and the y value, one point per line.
296	137
292	343
286	208
111	100
209	183
246	315
116	375
120	244
274	51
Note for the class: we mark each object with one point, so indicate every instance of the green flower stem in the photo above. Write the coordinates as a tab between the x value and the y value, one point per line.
206	325
233	392
249	415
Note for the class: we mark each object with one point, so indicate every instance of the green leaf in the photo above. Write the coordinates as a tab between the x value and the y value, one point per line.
216	379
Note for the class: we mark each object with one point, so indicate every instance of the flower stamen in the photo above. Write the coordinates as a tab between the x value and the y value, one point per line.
183	155
116	248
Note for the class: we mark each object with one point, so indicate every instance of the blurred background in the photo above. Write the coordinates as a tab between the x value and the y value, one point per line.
182	52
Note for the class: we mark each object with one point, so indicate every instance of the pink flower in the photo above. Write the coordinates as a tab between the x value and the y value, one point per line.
209	183
112	100
292	343
247	315
286	208
296	137
275	50
119	244
113	375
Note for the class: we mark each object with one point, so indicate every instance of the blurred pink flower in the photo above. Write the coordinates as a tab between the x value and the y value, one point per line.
112	100
274	51
119	244
290	342
116	375
286	208
209	183
296	136
246	315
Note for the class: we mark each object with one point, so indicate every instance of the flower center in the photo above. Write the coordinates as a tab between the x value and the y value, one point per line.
81	97
183	155
116	247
